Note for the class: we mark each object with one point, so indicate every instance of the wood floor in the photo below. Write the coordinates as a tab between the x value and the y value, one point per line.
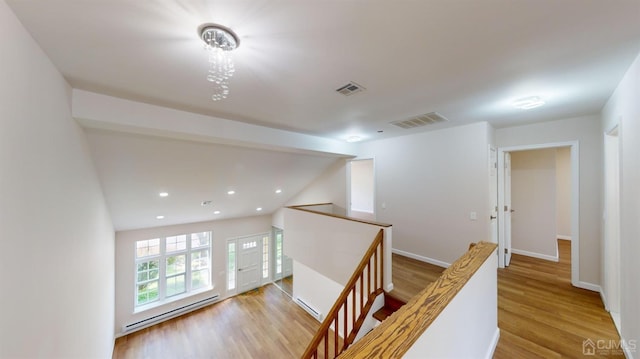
264	323
539	313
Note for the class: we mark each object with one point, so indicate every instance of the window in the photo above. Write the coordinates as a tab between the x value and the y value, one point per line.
231	265
170	266
265	257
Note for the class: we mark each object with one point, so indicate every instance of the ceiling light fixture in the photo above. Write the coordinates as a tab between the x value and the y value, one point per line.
231	192
259	209
159	217
163	194
527	103
352	139
278	191
216	212
219	42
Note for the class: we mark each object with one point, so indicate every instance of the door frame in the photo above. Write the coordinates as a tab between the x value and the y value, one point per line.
226	255
611	260
348	170
575	201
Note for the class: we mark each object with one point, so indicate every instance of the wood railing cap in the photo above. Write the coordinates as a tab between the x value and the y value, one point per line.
394	337
302	208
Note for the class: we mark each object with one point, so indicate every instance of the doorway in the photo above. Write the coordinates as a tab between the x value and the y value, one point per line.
362	189
282	265
505	210
612	224
247	262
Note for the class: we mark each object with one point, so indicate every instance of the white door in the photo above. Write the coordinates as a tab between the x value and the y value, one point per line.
493	193
507	208
249	256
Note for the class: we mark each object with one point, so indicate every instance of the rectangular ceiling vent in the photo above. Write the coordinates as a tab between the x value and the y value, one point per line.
350	88
421	120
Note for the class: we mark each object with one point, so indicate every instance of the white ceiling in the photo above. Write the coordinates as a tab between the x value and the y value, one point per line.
134	169
466	59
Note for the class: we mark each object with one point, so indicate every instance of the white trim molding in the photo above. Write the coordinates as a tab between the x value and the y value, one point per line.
421	258
494	344
588	286
546	257
563	237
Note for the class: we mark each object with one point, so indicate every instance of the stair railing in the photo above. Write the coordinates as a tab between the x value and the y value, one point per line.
350	309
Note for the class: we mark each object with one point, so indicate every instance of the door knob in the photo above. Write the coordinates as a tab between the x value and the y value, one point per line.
492	217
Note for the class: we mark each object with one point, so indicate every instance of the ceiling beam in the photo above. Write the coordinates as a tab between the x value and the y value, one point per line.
93	110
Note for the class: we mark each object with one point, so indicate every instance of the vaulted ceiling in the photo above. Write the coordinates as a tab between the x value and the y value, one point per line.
467	60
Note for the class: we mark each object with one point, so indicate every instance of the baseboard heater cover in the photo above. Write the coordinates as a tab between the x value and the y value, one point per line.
309	309
169	314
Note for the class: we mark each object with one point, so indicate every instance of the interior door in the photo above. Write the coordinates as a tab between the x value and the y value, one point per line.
507	208
249	254
493	193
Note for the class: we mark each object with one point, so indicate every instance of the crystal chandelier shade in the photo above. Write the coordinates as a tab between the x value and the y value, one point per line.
219	41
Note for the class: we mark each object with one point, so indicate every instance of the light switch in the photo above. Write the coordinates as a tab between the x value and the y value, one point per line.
473	216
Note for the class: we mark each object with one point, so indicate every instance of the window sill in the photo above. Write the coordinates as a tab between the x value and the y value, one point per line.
146	307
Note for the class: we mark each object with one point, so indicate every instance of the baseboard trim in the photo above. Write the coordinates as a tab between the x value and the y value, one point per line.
588	286
563	237
494	344
389	287
535	255
421	258
604	299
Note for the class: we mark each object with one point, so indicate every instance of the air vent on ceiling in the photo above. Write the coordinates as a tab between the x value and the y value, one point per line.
421	120
350	88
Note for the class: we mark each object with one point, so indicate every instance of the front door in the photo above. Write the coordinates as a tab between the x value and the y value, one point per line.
249	262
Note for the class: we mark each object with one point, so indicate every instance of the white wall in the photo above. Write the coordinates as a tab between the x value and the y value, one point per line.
57	252
468	325
125	262
587	131
533	197
326	250
563	192
623	108
427	185
330	187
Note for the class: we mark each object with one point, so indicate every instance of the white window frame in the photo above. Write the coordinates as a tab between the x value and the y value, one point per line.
162	258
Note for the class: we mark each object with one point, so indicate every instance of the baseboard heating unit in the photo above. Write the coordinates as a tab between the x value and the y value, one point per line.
309	309
169	314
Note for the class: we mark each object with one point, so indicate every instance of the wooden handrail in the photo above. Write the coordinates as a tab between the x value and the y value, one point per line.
394	337
351	327
302	208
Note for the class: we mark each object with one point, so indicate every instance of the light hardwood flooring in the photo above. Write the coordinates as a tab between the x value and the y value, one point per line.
264	323
539	313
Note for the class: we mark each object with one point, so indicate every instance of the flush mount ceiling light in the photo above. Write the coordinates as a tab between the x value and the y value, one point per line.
219	42
163	194
352	139
527	103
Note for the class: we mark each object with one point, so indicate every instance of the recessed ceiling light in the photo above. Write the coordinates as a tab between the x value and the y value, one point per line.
278	191
216	212
259	209
527	103
351	139
159	217
163	194
231	192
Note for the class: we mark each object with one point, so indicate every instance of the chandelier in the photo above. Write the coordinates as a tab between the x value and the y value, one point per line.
219	41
